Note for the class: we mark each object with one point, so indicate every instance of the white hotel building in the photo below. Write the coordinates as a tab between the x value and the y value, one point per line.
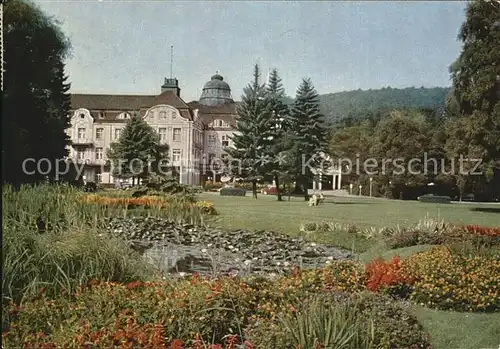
196	131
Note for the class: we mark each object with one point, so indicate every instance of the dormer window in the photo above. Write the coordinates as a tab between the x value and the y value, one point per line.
218	123
123	116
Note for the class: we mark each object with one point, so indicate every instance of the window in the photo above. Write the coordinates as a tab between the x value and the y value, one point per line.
225	141
176	155
219	123
211	158
98	177
163	115
173	115
99	132
80	155
82	116
118	132
98	153
162	131
177	134
212	140
81	133
224	156
151	114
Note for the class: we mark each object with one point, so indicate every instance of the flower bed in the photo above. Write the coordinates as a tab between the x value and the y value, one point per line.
146	202
189	313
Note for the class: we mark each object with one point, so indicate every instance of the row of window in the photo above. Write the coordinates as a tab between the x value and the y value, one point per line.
176	135
162	115
99	154
218	123
99	133
162	131
212	140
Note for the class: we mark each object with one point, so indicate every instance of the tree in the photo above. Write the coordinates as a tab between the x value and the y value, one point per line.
310	134
399	145
253	137
137	150
36	100
476	80
280	129
351	146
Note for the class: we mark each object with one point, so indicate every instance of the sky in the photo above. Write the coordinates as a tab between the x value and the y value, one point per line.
123	47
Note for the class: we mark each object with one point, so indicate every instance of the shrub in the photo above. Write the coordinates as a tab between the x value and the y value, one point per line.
394	325
320	323
475	229
389	323
206	207
450	281
430	198
232	192
426	232
380	273
90	187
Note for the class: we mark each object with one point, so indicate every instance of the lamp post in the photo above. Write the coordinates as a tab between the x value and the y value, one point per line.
360	187
371	186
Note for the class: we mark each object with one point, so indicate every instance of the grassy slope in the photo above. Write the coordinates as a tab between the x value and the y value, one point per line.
448	329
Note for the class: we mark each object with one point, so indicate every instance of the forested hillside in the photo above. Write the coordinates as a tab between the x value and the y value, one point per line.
357	103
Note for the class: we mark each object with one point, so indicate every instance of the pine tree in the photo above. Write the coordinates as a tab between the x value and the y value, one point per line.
310	134
136	150
280	125
250	153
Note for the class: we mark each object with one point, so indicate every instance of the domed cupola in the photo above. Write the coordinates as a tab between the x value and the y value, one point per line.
216	92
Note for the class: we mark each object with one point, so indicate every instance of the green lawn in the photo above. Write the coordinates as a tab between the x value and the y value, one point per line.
286	217
448	329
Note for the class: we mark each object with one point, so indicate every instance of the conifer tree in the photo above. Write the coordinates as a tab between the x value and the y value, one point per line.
136	150
310	134
250	153
280	129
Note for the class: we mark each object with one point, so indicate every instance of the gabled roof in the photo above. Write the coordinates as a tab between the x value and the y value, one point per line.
170	98
110	102
129	103
125	102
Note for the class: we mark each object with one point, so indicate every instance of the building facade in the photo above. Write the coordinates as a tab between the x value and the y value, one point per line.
196	132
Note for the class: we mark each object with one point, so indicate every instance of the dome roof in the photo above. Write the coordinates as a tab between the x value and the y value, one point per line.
216	92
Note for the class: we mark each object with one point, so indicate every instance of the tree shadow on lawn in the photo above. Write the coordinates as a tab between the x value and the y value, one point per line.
486	209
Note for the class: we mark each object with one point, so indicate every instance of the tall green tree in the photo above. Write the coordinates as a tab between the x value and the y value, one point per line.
399	146
310	134
476	90
137	151
36	100
476	82
249	156
280	129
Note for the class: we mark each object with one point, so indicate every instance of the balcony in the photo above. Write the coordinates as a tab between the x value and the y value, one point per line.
82	141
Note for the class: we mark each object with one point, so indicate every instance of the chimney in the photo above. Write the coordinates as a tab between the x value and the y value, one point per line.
171	84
